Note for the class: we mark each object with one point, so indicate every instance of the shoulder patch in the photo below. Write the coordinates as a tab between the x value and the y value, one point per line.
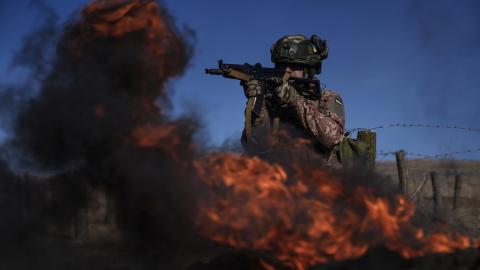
335	106
338	101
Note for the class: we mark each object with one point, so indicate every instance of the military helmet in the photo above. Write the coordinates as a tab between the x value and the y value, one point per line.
297	49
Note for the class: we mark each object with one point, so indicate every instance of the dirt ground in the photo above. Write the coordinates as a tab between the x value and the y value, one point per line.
97	221
95	238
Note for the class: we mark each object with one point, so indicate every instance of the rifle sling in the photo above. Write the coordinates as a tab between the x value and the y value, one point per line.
258	105
248	118
251	103
276	115
276	123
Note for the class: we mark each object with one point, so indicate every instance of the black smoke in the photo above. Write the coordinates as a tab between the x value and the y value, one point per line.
79	126
74	132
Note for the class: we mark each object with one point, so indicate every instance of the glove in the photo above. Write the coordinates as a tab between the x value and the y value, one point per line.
252	88
285	94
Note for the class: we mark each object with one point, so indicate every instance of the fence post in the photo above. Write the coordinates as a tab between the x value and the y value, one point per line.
457	189
370	138
433	178
402	171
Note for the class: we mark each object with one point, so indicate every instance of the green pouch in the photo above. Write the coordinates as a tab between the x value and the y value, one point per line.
361	150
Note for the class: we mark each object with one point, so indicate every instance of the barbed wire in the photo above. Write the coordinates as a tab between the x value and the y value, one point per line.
424	156
386	153
420	125
417	125
451	172
455	171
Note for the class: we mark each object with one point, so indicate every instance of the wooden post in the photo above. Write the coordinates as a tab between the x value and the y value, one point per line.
402	171
370	138
435	193
456	190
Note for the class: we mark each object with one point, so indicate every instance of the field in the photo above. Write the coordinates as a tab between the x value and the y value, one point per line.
92	234
97	221
466	215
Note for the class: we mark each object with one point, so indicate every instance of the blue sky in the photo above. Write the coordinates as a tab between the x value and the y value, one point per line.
392	61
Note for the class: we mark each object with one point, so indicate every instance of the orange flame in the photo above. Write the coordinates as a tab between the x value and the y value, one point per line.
165	137
306	218
117	18
162	53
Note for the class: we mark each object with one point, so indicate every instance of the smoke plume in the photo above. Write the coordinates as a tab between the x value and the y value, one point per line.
99	120
102	97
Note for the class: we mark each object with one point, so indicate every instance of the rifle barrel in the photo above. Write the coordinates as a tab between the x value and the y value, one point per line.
214	71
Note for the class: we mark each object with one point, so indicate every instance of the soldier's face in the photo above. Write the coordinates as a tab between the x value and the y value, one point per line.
295	71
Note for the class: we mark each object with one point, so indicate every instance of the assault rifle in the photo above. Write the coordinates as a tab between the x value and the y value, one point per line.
268	77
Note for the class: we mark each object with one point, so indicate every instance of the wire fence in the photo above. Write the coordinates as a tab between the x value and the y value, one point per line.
385	154
433	182
425	156
417	125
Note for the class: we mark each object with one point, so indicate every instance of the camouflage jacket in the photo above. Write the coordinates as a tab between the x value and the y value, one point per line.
317	122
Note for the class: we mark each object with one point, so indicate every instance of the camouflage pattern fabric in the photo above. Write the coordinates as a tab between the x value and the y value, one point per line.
324	120
252	88
319	121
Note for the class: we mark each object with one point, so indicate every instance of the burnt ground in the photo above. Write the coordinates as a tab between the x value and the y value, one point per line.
378	259
375	259
91	240
115	256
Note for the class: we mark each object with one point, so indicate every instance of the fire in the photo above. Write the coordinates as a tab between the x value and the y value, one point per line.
170	138
156	136
117	18
301	215
307	216
159	52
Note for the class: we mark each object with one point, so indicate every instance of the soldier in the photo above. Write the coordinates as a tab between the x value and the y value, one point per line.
296	115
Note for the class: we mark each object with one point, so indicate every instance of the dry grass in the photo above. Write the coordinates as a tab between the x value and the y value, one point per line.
97	222
466	217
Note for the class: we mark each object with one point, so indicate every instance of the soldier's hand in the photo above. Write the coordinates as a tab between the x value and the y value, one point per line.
252	88
275	81
285	94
